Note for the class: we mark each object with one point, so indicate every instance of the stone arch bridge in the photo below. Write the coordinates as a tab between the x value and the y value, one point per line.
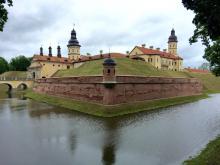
16	83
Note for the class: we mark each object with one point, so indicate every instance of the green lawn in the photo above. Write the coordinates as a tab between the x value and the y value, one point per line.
210	82
209	156
125	66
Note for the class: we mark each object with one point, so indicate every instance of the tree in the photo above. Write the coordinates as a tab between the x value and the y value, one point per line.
207	22
20	63
4	12
3	65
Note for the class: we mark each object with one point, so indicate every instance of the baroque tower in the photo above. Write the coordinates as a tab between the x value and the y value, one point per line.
172	43
73	47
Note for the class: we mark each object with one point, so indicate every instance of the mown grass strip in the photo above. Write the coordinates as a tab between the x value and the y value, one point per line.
208	156
112	111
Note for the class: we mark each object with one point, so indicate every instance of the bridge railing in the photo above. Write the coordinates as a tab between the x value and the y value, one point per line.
15	79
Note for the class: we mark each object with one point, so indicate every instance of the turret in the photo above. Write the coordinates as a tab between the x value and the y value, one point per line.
58	51
50	51
73	47
41	51
172	43
109	70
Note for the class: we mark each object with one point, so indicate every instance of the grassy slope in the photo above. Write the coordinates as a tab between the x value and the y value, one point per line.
209	156
12	74
127	66
124	66
210	82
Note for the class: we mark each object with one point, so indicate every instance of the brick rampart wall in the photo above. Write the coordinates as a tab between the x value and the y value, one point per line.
127	88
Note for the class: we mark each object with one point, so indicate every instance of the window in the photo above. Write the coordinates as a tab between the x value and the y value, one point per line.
109	71
33	75
68	67
53	65
58	65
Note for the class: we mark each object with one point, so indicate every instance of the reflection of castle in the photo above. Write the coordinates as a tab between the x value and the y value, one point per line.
44	66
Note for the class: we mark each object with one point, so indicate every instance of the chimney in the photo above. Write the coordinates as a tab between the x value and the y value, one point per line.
151	47
158	49
143	45
164	50
50	51
58	51
41	51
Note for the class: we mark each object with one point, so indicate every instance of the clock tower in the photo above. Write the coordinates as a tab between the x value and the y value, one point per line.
73	47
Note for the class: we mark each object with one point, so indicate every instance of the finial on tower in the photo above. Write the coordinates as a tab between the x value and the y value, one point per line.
41	51
50	51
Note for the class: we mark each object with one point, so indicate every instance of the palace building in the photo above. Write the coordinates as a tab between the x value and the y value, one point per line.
46	65
165	60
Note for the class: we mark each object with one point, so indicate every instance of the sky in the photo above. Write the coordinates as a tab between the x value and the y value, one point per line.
118	25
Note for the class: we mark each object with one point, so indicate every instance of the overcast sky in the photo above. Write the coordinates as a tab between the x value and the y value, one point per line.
100	25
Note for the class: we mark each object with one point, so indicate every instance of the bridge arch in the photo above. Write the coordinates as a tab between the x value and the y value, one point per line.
10	87
22	86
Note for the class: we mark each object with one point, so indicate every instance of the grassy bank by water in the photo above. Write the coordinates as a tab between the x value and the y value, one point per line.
209	156
111	111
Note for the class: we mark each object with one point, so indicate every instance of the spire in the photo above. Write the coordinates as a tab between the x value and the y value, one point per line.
73	40
50	51
173	37
41	51
58	51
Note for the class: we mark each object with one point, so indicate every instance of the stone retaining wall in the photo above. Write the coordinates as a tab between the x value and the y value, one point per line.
126	89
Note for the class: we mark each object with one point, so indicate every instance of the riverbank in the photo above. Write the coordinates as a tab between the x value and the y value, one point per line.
209	156
112	111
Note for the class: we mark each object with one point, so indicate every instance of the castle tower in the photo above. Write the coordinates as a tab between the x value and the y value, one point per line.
73	47
109	70
172	43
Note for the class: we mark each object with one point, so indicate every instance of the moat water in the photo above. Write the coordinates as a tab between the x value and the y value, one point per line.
33	133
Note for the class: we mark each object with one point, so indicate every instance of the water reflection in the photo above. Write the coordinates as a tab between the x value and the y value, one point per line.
111	139
166	136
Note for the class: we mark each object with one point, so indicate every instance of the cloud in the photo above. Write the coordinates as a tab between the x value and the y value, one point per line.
100	24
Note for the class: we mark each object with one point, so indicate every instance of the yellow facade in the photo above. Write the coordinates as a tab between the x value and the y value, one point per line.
74	52
160	59
172	48
45	69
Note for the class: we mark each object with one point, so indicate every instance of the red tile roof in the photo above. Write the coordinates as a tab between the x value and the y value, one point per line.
157	52
197	70
84	58
55	59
